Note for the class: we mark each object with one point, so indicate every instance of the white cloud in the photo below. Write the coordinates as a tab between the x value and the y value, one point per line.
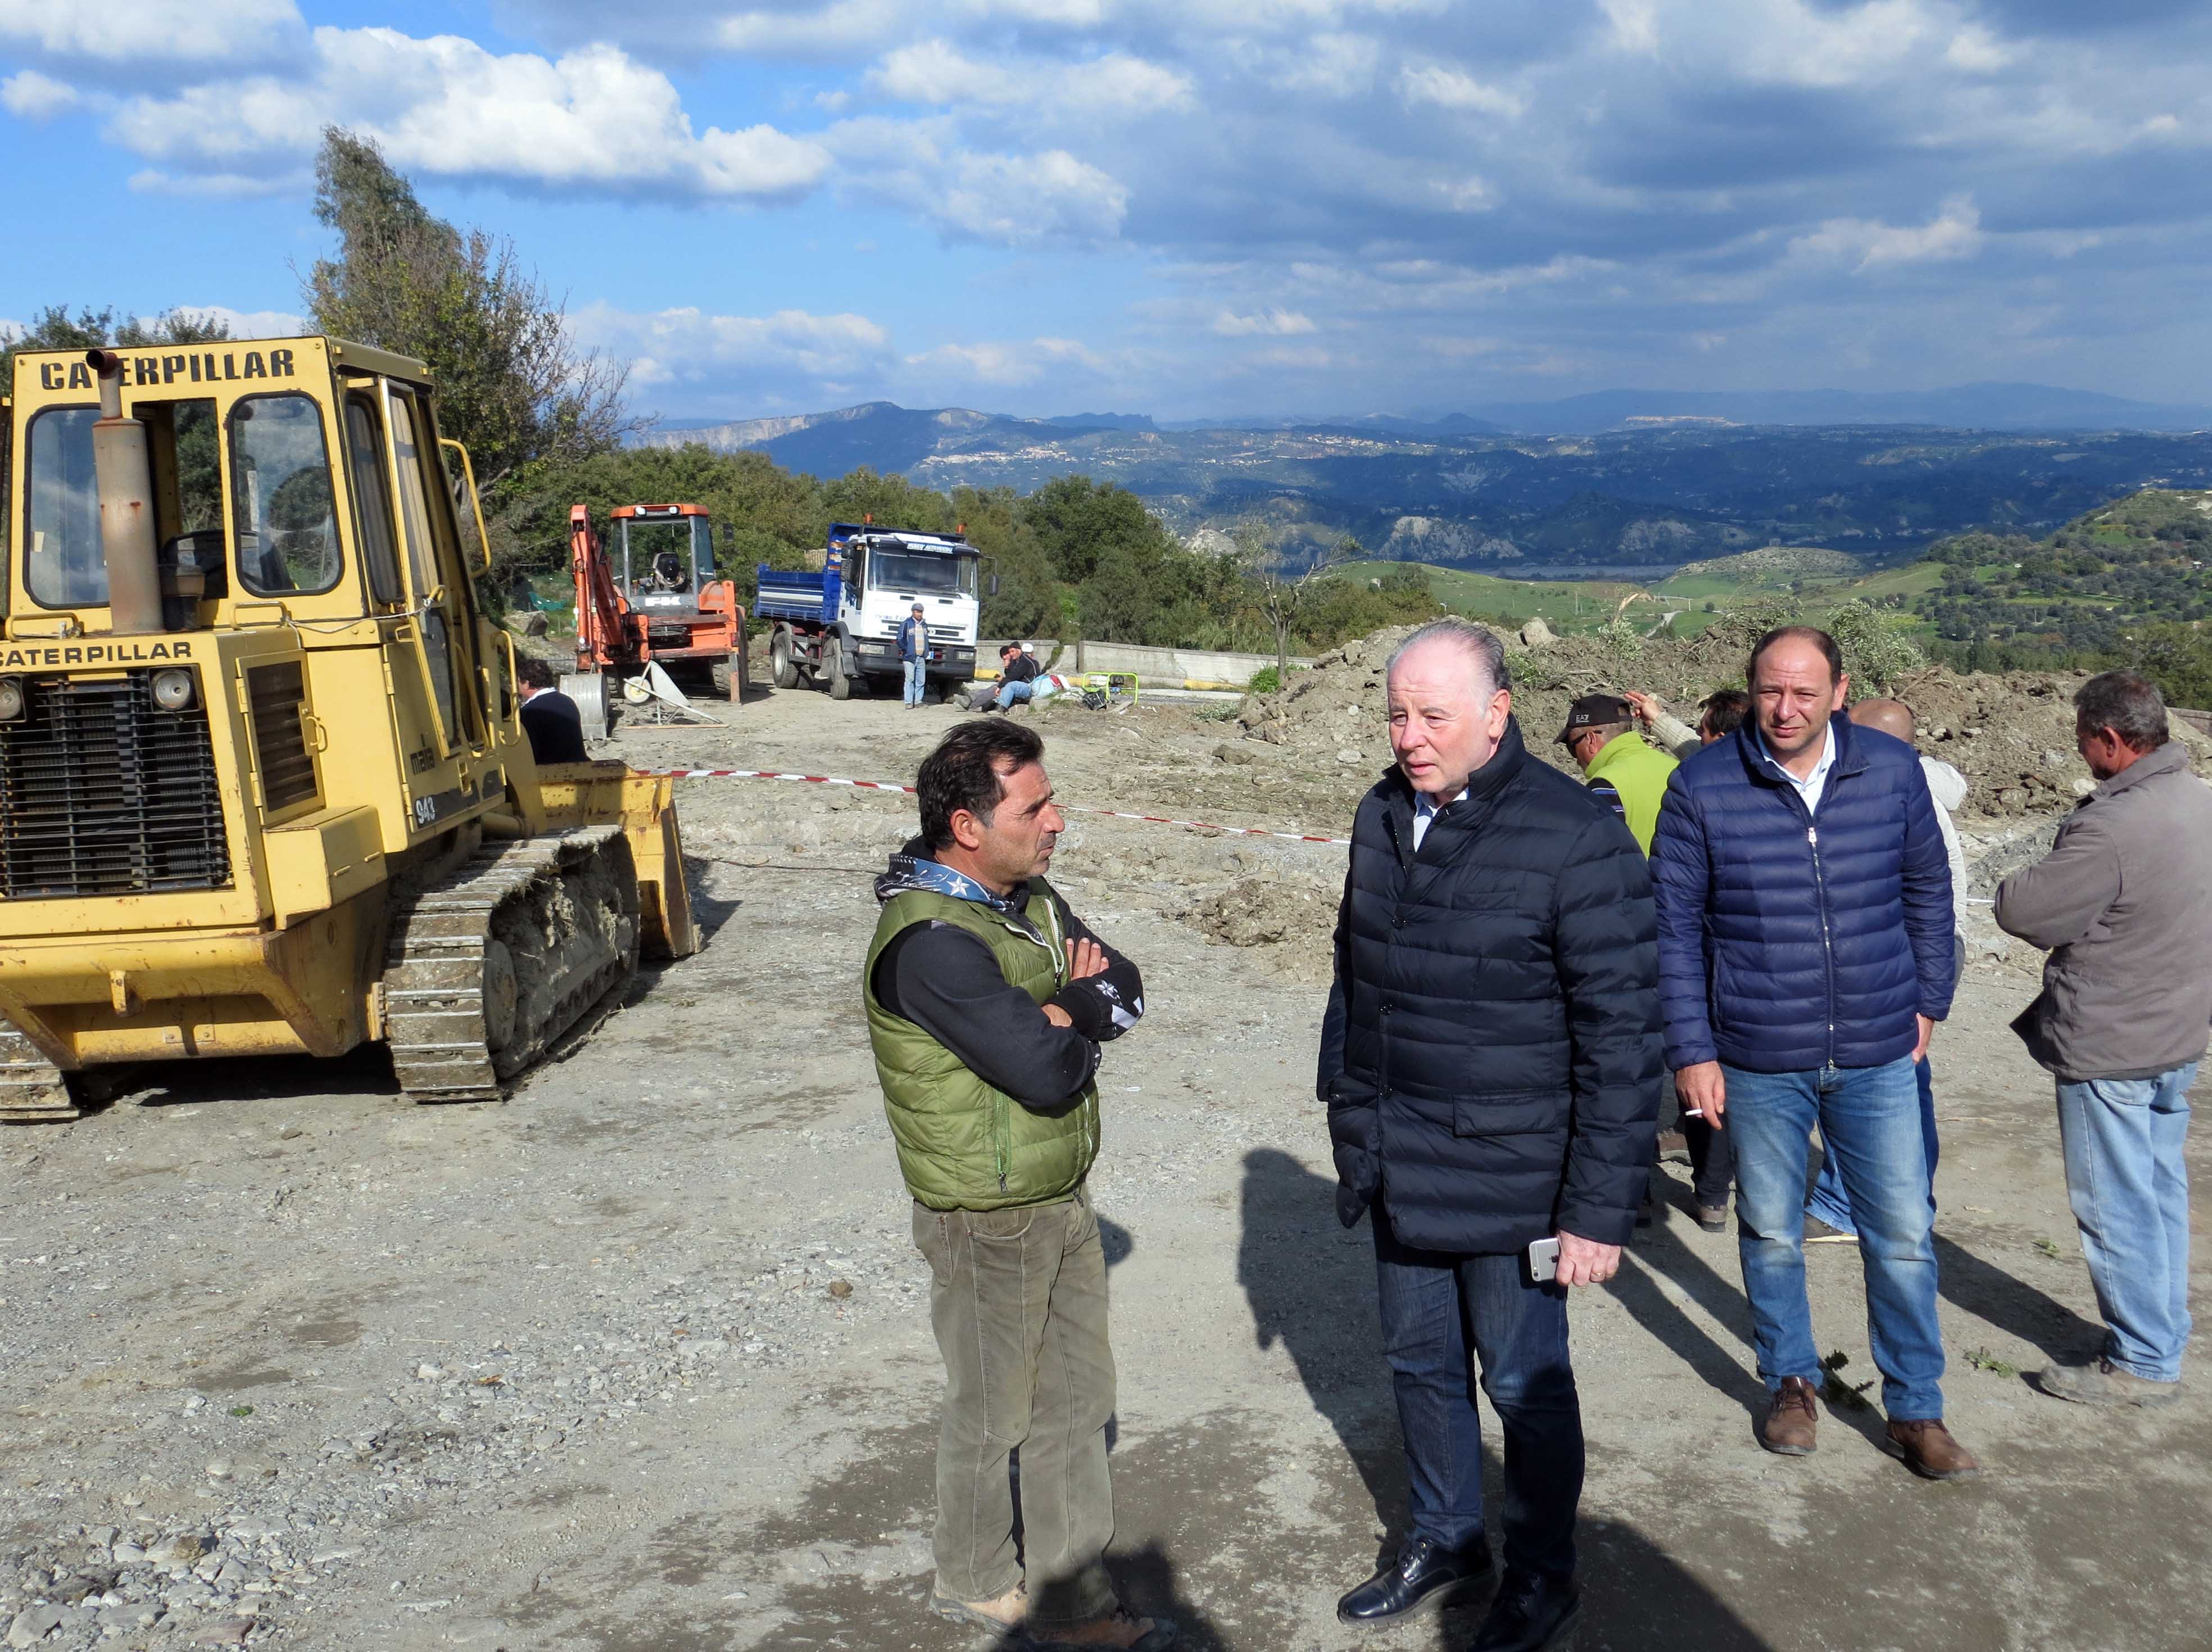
1011	363
134	31
1455	88
37	97
251	324
1006	200
1976	51
1279	323
687	344
846	26
446	107
935	73
1868	244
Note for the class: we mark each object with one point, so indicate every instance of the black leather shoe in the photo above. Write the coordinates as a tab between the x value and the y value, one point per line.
1424	1577
1529	1614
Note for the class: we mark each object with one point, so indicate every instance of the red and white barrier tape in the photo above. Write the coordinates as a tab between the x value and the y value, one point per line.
1065	808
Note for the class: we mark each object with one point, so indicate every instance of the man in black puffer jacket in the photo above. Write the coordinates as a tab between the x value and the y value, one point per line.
1491	1064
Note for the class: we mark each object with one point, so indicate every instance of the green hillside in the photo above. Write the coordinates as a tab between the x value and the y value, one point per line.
1695	594
2128	583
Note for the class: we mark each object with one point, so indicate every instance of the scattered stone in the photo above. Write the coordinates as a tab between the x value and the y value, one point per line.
1535	633
219	1469
840	1289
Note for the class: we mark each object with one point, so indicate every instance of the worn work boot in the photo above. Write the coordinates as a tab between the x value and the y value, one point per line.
1006	1612
1791	1420
1713	1218
1928	1449
2100	1382
1121	1628
1818	1232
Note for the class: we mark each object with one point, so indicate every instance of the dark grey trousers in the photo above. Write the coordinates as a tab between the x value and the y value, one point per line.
1017	1299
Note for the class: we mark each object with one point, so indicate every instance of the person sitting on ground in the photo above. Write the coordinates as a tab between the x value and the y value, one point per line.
994	696
1719	713
549	718
1828	1211
2124	901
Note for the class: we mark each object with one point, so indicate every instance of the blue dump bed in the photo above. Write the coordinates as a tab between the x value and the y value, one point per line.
789	596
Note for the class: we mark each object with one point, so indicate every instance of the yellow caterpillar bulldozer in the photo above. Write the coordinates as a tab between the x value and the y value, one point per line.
264	789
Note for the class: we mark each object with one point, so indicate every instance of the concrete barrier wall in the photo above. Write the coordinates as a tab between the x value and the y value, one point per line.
1170	667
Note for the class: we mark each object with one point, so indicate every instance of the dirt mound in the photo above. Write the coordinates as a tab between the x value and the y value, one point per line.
2012	736
1295	921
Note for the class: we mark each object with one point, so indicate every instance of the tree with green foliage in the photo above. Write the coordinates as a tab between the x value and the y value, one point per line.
512	383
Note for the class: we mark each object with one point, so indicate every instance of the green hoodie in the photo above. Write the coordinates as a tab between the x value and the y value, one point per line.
963	1144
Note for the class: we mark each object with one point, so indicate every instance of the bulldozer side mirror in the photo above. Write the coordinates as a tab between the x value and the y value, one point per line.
994	585
464	494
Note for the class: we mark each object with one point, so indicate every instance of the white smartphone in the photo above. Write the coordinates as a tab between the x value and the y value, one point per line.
1544	1259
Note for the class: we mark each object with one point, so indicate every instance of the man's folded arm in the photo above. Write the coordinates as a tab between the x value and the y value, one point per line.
1103	1005
946	982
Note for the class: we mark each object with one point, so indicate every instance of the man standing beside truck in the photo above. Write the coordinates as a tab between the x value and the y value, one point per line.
987	1000
913	655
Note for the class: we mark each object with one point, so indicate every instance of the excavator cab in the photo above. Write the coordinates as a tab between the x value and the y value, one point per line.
255	728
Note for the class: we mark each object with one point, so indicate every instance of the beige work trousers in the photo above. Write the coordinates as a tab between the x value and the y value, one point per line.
1017	1298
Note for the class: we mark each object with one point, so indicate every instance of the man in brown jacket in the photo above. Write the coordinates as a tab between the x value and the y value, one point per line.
2124	901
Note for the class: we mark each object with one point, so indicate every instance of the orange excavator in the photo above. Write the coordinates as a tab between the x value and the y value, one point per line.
649	595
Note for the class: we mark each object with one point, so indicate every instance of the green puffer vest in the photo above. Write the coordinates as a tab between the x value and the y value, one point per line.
962	1144
1640	776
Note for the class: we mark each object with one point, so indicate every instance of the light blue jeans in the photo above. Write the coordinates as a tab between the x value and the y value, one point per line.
1831	1204
917	677
1869	1119
2129	1186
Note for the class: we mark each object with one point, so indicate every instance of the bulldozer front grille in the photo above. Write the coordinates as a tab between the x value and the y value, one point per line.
103	793
274	694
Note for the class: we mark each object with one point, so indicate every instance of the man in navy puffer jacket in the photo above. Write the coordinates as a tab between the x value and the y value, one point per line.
1490	1061
1805	956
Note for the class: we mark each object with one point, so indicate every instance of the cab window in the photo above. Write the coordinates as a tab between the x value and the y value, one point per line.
281	499
372	499
63	563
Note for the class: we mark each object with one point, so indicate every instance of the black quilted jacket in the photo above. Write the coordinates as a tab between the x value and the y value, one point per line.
1490	1057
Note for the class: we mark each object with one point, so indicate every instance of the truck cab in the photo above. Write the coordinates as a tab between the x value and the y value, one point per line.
841	626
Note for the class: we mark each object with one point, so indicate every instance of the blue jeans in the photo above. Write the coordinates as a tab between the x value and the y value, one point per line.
1832	1205
1433	1305
2129	1189
917	674
1869	1118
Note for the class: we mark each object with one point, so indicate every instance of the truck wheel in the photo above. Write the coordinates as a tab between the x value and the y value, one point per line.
832	670
782	672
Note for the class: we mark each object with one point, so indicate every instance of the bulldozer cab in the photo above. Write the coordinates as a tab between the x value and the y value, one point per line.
665	554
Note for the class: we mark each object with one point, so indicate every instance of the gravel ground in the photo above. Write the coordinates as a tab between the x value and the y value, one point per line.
640	1358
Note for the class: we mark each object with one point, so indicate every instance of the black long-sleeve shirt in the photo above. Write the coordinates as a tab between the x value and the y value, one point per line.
944	981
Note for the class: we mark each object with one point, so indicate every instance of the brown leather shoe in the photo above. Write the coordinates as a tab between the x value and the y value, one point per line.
1790	1420
1928	1449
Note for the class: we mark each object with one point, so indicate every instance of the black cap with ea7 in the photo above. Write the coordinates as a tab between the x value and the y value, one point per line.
1595	711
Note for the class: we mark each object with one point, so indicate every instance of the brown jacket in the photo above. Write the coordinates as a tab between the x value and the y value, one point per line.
2124	901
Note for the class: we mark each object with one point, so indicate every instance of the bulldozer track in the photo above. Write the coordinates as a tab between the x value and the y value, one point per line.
32	1088
487	969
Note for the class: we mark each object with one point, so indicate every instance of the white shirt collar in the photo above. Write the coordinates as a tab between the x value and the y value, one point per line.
1811	784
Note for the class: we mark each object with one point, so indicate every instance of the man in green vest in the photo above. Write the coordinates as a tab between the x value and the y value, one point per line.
987	1000
1626	773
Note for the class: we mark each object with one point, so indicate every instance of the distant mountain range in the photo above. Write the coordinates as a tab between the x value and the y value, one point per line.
1624	480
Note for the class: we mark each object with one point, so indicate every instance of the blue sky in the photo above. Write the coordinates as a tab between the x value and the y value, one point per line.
1181	207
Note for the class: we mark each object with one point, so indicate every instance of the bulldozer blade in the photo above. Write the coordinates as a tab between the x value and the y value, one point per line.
644	805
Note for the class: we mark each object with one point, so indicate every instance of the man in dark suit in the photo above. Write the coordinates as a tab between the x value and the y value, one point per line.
549	717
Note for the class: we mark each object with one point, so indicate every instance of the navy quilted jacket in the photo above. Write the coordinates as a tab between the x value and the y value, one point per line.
1789	942
1490	1059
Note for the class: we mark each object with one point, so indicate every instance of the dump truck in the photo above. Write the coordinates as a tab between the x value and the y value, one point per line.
264	789
839	628
648	594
